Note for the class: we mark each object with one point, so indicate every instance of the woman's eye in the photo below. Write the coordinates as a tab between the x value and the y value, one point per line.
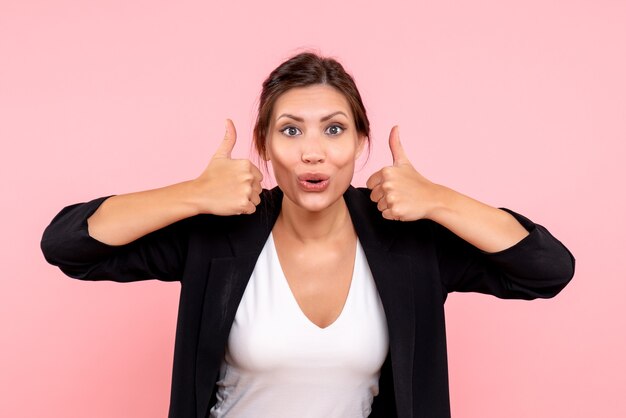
334	130
290	131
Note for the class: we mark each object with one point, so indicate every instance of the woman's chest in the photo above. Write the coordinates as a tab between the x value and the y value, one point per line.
271	331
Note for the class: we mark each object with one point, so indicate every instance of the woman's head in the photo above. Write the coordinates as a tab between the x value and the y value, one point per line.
304	70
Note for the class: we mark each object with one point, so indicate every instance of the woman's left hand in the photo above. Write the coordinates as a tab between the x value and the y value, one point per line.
401	192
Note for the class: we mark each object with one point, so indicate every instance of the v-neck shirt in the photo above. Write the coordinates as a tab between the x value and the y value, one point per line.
280	364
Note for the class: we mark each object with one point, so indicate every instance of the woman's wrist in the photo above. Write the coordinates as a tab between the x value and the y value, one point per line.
441	203
191	196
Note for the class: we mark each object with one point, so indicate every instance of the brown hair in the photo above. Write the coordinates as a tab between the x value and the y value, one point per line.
302	70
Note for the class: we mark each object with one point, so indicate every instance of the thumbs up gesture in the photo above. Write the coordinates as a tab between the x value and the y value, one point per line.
229	186
401	192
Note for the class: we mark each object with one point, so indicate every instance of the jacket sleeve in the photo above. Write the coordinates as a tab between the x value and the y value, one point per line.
539	266
66	243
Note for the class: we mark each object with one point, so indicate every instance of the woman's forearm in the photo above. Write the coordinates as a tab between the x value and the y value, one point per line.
487	228
124	218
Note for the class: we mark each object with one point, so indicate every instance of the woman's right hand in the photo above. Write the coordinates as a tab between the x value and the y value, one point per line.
228	186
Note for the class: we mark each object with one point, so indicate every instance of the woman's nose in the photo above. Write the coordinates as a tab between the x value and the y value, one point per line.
312	151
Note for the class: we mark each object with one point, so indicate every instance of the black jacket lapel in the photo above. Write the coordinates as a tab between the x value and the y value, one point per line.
392	274
226	283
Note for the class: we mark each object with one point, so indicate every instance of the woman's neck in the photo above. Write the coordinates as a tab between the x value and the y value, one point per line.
306	226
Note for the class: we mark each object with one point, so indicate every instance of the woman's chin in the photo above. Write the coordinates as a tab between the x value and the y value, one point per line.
316	202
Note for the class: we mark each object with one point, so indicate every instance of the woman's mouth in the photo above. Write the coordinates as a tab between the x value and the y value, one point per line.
313	182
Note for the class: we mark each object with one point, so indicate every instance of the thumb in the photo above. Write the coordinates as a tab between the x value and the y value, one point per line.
397	152
227	145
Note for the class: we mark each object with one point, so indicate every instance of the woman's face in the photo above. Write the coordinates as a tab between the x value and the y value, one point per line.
313	144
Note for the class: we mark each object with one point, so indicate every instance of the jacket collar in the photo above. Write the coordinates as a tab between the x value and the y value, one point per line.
368	223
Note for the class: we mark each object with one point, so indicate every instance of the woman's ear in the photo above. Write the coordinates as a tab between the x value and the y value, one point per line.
263	154
360	146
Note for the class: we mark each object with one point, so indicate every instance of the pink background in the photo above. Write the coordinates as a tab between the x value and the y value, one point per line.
520	104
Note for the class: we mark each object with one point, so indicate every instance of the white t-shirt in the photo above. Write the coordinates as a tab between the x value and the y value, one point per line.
279	364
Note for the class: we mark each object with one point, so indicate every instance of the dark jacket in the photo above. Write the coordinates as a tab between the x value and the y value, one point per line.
414	264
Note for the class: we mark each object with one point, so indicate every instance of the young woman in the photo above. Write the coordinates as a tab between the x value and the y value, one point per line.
315	298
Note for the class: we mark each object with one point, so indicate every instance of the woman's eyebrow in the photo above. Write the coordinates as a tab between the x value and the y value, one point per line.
299	119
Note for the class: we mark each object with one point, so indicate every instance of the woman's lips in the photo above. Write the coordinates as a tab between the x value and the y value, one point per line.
313	182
